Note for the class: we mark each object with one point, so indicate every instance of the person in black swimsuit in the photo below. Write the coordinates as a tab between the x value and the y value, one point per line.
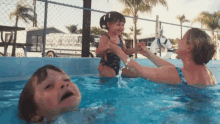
110	62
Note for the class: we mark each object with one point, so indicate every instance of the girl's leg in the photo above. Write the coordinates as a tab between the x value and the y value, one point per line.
107	72
126	72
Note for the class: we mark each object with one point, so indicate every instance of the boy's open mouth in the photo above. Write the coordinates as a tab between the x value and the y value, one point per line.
66	95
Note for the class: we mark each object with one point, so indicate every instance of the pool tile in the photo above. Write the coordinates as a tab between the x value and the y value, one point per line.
69	65
30	65
10	66
83	66
94	63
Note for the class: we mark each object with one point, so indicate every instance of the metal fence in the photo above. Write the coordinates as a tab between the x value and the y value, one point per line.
52	20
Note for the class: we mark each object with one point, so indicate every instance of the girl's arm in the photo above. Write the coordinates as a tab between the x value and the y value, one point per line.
129	51
159	62
102	48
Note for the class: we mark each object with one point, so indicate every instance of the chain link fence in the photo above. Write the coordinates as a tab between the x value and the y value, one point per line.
64	24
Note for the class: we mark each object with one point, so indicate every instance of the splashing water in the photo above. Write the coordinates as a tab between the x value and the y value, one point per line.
120	81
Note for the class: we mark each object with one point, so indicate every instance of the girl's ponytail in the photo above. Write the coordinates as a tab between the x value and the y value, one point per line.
103	22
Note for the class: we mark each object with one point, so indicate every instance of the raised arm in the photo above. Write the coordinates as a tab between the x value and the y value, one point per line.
129	51
165	74
159	62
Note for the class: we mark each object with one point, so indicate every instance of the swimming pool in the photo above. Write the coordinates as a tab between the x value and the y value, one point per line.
129	101
125	100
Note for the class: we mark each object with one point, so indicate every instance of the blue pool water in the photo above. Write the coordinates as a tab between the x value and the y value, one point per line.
129	101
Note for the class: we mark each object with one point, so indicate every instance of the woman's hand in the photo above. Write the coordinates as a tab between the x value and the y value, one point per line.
142	49
138	46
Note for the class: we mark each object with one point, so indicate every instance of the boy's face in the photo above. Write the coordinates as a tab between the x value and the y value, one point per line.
56	94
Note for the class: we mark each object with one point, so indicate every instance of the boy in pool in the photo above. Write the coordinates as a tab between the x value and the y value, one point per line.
47	94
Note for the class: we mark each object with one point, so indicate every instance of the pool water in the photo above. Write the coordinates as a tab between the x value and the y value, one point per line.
129	101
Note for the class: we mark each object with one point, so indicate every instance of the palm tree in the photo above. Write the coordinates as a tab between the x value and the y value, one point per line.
35	15
209	20
72	28
21	11
182	19
135	6
138	31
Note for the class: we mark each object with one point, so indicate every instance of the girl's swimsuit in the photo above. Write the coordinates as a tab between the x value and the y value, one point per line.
112	60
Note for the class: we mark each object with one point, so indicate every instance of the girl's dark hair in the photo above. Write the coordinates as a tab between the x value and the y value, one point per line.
27	107
203	47
112	16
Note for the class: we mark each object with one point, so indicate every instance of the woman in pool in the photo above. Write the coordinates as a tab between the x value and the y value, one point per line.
195	50
47	94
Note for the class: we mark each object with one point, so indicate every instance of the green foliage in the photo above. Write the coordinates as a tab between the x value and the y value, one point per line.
209	20
174	41
182	18
94	30
138	31
72	28
22	11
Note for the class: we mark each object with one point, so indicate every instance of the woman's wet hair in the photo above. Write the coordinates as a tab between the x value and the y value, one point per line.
203	47
112	17
27	107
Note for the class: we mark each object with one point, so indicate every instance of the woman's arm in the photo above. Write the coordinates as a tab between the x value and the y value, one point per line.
102	48
159	62
166	74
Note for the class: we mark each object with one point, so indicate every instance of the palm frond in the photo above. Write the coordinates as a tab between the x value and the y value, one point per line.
182	18
209	20
127	11
22	11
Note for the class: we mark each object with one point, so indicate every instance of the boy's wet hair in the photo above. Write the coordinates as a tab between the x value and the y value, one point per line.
27	107
203	47
112	16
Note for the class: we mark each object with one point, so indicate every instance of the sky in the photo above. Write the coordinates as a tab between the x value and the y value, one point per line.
191	9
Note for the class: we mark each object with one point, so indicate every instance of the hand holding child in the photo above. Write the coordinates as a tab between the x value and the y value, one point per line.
138	46
142	49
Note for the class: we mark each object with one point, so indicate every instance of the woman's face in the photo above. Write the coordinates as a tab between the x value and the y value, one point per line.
182	45
56	94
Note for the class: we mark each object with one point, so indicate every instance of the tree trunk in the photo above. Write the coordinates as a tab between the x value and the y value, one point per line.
134	31
181	31
35	16
86	28
15	37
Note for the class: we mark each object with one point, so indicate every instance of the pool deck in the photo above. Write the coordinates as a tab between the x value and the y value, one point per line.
19	68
